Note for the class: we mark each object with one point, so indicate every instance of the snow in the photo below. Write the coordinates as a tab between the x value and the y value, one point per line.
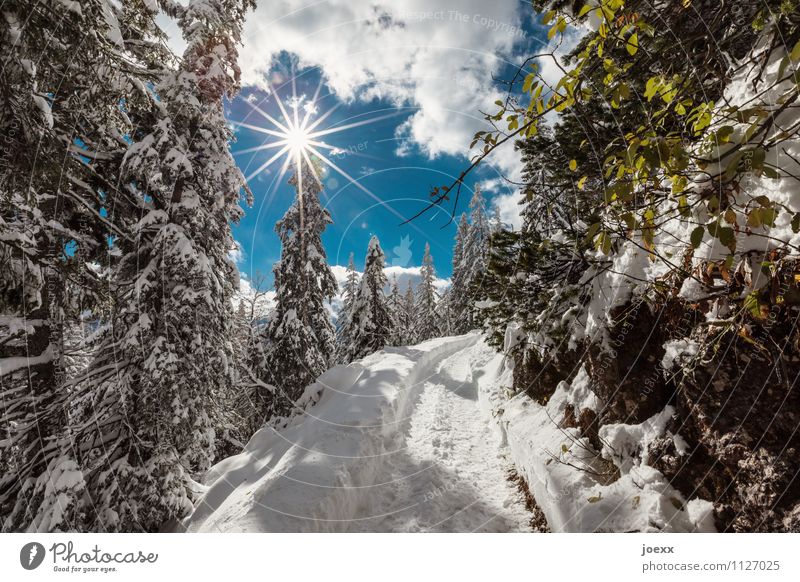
14	363
44	107
625	444
573	485
394	442
679	352
423	438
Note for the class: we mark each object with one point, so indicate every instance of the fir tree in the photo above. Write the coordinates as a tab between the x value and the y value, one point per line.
395	303
372	323
445	313
166	356
300	337
344	317
470	258
65	73
476	253
407	317
459	300
426	321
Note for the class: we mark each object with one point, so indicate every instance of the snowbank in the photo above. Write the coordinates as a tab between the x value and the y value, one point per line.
311	475
577	489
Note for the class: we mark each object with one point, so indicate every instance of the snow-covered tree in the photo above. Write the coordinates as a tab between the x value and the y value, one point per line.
446	313
67	67
458	303
496	222
372	323
426	321
395	302
406	318
470	259
300	337
241	414
166	355
344	316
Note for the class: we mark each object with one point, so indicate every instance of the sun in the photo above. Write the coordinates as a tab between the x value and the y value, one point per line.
297	138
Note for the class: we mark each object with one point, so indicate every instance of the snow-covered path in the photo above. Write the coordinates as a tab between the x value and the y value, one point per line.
397	442
453	473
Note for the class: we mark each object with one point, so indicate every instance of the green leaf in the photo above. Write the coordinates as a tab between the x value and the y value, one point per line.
633	44
723	134
592	230
763	201
603	243
754	218
768	216
733	166
757	161
752	305
697	236
727	236
795	54
630	220
796	222
651	88
584	10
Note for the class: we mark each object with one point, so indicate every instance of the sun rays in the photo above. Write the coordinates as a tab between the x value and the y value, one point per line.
296	137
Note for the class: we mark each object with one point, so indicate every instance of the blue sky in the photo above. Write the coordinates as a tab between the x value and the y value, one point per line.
429	65
369	154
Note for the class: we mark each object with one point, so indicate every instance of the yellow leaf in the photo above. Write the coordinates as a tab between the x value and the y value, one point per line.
633	44
573	165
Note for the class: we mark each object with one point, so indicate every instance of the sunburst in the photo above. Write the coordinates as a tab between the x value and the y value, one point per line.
297	137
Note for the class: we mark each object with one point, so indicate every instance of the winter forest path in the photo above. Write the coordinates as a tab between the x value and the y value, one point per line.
396	443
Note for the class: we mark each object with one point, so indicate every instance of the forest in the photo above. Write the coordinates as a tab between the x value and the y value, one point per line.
635	339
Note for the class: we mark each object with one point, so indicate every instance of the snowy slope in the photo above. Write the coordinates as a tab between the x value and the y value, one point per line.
396	442
574	485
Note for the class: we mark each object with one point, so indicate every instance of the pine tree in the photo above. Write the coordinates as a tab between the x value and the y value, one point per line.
60	168
426	320
495	223
300	337
459	306
372	323
166	356
445	313
407	317
470	259
233	413
395	302
344	317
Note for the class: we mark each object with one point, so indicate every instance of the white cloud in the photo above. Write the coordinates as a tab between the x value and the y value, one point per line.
437	57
